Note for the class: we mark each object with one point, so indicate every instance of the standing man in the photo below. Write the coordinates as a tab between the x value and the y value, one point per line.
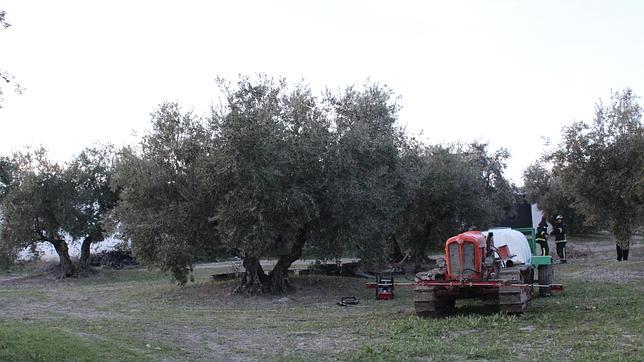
542	236
559	232
622	249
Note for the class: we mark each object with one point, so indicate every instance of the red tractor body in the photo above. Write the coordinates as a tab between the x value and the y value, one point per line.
465	254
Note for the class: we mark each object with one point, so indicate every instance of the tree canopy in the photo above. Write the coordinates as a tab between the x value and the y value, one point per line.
548	191
90	174
36	205
601	164
450	189
43	201
169	195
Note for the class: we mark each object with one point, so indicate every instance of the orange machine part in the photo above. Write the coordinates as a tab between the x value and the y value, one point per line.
474	237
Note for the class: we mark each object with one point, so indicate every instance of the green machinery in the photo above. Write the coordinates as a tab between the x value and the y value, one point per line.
537	260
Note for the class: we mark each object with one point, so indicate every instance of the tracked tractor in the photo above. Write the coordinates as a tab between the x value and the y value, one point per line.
473	267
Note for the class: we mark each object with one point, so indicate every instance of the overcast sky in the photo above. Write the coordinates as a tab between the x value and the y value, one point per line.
507	72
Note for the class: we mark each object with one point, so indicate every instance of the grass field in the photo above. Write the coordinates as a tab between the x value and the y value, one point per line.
139	315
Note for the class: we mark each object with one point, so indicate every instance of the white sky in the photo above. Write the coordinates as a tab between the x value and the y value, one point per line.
507	72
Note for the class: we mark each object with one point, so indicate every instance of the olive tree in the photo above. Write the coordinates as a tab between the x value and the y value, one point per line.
602	165
36	204
168	195
90	174
273	145
548	192
450	189
8	253
365	191
301	172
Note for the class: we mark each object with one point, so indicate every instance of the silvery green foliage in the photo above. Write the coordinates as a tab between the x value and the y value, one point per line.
168	192
3	20
90	173
602	164
451	188
273	146
302	172
550	195
36	204
365	177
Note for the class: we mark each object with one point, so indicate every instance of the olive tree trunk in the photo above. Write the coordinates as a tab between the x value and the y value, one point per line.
255	281
67	268
85	253
279	274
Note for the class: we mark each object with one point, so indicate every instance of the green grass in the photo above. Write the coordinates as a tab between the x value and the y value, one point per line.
35	342
135	314
587	322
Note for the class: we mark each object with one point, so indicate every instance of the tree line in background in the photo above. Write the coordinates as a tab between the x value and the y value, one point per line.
273	172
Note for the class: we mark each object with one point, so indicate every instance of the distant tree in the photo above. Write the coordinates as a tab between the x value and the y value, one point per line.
36	204
169	195
551	197
501	193
452	189
6	172
91	174
602	165
8	253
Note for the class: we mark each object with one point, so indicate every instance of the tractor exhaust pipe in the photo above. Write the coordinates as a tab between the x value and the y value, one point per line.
489	244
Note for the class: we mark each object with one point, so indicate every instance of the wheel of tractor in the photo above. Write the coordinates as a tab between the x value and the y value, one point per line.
515	299
444	305
428	302
546	277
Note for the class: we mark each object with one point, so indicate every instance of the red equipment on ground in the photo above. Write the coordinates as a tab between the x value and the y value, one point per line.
384	288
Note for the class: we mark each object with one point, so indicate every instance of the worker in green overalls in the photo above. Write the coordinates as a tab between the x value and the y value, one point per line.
542	236
559	231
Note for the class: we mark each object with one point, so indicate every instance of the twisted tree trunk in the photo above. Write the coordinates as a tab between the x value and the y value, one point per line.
67	268
279	275
85	253
254	280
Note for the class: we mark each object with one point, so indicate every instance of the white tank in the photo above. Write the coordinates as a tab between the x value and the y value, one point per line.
515	240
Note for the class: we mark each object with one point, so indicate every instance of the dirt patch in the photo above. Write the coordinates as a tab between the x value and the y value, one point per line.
594	259
201	321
